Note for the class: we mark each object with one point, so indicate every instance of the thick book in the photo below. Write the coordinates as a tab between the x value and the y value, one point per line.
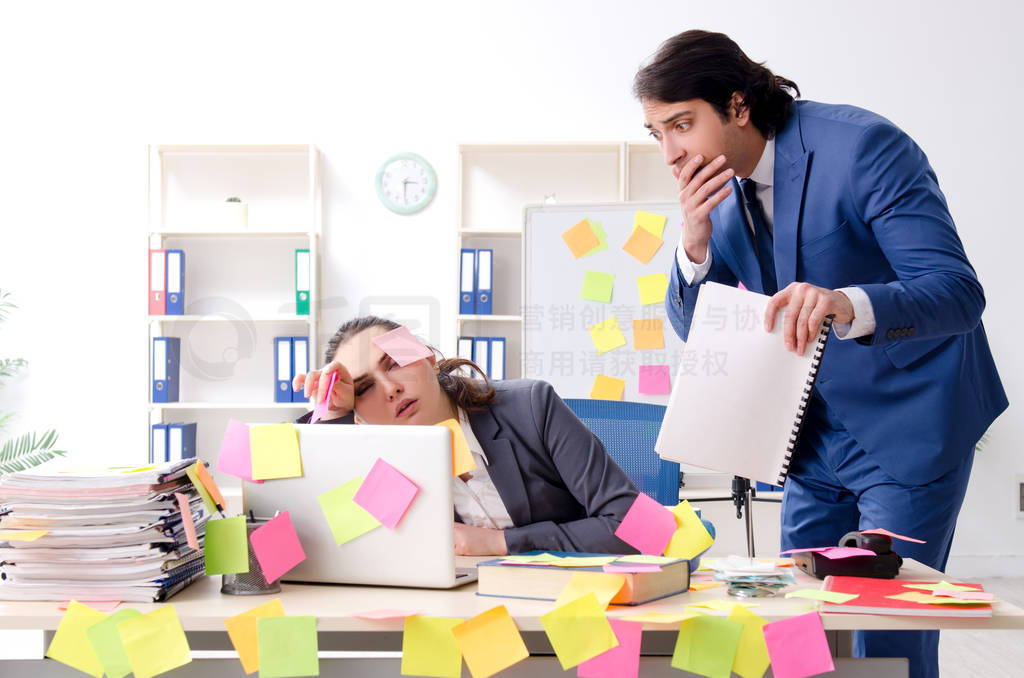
873	598
739	397
545	582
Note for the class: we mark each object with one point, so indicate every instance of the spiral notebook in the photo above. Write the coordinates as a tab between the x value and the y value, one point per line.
739	397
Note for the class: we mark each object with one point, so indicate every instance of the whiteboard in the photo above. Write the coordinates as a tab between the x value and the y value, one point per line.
557	346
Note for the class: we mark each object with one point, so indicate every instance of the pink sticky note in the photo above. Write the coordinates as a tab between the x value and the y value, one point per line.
186	521
632	567
807	550
386	494
402	346
321	407
622	661
277	547
882	530
234	456
387	614
797	647
648	526
101	605
840	552
654	380
962	595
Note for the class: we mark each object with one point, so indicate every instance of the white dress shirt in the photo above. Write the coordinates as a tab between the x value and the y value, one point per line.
477	500
763	175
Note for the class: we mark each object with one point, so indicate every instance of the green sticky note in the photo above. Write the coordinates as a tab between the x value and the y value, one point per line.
752	658
827	596
287	647
226	546
598	286
602	237
70	645
155	642
579	631
274	450
106	643
346	518
707	645
429	648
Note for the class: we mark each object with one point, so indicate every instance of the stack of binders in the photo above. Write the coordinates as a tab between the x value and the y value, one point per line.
476	282
114	534
487	352
172	442
291	357
166	282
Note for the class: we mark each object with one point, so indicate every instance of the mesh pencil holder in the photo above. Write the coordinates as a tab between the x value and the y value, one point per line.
251	583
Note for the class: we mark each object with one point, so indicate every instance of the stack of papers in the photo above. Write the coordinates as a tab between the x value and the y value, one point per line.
98	534
751	576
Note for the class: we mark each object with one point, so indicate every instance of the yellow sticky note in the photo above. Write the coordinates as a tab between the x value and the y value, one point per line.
275	452
942	586
581	239
70	645
642	245
21	535
607	388
607	335
490	642
818	594
429	648
918	597
242	632
652	288
652	223
579	631
650	560
462	458
648	334
583	561
703	585
603	585
154	642
721	605
661	617
691	537
751	660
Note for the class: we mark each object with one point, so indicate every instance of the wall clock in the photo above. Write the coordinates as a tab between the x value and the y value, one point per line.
406	183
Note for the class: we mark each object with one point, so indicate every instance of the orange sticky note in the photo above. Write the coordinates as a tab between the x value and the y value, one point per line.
607	388
490	642
581	239
462	458
648	334
242	631
642	245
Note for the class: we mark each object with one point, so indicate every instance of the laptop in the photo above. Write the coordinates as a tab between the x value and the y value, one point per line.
419	552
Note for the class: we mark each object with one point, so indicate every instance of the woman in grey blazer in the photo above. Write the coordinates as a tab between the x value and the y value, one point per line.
542	480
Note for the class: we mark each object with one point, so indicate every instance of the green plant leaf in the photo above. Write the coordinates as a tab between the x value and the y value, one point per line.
28	450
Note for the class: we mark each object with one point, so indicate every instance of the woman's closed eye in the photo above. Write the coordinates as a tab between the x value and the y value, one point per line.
363	386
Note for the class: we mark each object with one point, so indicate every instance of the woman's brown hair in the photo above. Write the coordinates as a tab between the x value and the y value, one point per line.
465	392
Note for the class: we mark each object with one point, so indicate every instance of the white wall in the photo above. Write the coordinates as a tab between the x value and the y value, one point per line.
85	86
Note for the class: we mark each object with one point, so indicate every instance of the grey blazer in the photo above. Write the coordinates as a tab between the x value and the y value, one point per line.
560	487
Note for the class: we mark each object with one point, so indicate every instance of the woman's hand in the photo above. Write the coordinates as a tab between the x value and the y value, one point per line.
479	541
343	397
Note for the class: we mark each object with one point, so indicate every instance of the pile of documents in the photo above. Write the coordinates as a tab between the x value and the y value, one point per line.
99	535
751	577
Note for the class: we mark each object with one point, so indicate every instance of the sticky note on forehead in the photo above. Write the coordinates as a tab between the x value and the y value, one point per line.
402	346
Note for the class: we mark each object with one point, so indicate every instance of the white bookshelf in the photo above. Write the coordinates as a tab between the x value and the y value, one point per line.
239	281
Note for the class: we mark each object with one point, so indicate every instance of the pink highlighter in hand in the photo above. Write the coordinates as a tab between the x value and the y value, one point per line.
321	407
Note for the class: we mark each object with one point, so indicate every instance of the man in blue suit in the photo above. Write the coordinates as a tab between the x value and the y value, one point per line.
837	213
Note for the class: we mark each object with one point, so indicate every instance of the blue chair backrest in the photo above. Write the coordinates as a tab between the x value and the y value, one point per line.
629	431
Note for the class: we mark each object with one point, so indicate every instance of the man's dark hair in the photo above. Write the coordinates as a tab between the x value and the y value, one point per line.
710	66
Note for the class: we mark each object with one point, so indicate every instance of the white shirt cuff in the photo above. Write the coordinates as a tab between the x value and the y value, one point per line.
692	272
863	315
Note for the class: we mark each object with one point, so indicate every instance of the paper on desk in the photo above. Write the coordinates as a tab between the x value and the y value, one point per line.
155	642
386	494
578	630
598	286
276	546
580	239
191	538
647	526
648	334
607	335
287	646
106	643
603	586
751	659
798	647
653	223
21	535
607	388
622	661
490	642
707	645
429	647
462	458
346	518
275	451
652	288
402	346
690	537
893	535
242	632
827	596
70	645
225	548
642	245
235	458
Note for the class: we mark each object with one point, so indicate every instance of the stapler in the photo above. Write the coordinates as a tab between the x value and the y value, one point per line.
884	564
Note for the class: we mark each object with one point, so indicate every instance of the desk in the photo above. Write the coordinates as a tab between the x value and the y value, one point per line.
344	639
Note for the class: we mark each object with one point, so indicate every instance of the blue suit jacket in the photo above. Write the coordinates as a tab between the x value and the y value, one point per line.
857	204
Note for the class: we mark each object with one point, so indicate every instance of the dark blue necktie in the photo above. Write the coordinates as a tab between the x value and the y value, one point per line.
762	237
